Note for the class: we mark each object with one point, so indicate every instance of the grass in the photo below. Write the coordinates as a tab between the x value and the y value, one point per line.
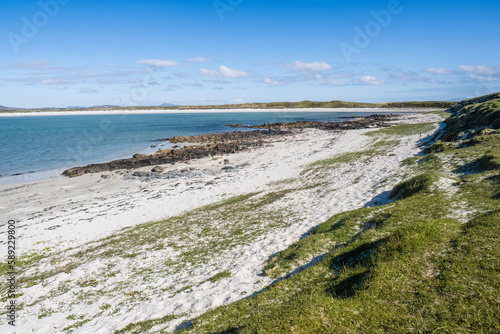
404	130
220	276
347	157
415	185
473	118
426	263
144	326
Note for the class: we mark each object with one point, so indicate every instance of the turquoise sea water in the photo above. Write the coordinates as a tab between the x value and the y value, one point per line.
41	143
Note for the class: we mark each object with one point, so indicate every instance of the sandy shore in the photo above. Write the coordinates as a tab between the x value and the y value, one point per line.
66	219
208	111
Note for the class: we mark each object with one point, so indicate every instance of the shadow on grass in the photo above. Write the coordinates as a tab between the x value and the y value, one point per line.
234	330
360	256
348	287
379	200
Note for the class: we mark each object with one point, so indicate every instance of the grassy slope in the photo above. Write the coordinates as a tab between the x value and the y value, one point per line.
272	105
426	263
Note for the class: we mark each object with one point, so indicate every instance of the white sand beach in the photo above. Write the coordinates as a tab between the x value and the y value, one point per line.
74	225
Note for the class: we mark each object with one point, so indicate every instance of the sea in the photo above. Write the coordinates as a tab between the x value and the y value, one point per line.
37	147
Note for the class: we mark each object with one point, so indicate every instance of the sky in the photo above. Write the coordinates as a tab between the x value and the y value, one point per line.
60	53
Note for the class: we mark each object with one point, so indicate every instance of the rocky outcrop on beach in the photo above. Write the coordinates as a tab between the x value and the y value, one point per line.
224	143
225	137
162	157
376	121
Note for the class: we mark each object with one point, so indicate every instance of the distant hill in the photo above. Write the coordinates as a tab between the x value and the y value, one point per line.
168	105
331	104
104	106
7	108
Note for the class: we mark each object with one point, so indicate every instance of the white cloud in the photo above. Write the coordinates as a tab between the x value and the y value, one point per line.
158	62
442	71
370	80
330	81
483	78
482	73
223	72
55	82
301	67
272	82
481	69
199	60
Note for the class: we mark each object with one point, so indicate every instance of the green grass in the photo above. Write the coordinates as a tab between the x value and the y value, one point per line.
426	263
220	276
348	157
473	117
443	114
404	130
415	185
144	326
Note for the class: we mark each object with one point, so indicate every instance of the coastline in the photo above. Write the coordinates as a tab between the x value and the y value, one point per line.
210	111
60	218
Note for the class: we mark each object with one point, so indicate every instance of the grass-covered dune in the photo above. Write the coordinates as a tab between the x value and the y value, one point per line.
426	263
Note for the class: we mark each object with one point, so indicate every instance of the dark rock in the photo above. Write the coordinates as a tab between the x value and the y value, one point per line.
226	137
141	174
219	144
158	169
376	120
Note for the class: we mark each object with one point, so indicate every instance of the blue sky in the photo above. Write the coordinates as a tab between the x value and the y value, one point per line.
58	53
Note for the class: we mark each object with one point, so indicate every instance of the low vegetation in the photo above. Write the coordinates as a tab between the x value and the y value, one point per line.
425	263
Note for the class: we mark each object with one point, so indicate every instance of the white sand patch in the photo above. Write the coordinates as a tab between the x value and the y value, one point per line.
110	292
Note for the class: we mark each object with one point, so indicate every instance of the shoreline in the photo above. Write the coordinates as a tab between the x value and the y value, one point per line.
211	111
58	171
61	218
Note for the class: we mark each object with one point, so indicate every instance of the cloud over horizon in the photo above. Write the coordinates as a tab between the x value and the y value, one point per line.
304	67
158	62
223	72
367	79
